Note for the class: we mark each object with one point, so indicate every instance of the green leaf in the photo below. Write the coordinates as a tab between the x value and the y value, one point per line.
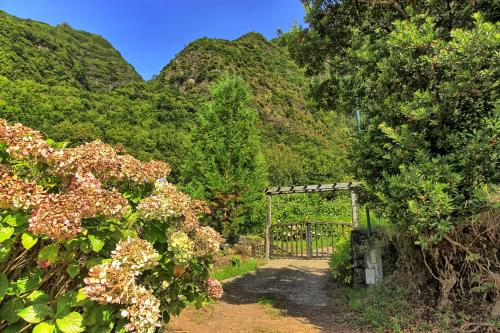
6	233
14	328
9	310
79	299
28	240
73	270
94	261
37	296
49	253
64	304
95	243
71	323
29	281
44	327
5	248
4	284
71	299
16	220
85	247
35	313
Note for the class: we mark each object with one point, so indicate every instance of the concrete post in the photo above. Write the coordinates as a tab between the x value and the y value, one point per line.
354	204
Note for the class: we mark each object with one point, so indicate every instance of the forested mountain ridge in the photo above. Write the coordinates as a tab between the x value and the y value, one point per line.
277	82
301	143
74	86
60	55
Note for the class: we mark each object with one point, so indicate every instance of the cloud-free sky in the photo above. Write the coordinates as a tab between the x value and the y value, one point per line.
149	33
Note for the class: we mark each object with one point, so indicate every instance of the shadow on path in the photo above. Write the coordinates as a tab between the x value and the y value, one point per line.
300	287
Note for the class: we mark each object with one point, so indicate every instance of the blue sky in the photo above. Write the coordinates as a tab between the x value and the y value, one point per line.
149	33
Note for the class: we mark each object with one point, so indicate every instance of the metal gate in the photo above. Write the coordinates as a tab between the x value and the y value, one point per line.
306	239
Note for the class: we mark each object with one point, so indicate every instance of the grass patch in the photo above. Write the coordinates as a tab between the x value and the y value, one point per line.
384	308
266	300
233	269
270	305
389	308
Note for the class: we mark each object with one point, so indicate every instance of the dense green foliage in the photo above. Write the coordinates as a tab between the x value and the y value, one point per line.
64	89
424	76
134	117
301	142
225	165
60	56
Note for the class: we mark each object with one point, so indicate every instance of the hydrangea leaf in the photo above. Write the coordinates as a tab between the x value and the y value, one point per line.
35	313
6	233
71	323
44	327
73	270
49	253
28	240
4	284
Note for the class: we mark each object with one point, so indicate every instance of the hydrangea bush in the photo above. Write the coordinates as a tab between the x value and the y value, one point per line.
94	240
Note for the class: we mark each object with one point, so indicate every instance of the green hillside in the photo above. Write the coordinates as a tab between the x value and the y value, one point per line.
301	143
277	82
60	55
74	86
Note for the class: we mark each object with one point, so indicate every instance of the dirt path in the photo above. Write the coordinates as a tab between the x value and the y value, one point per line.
300	293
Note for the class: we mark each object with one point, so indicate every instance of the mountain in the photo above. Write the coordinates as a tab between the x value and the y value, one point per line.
74	86
301	143
277	82
60	55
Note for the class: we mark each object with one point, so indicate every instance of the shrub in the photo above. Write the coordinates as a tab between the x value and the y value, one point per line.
341	260
94	240
428	153
235	260
250	246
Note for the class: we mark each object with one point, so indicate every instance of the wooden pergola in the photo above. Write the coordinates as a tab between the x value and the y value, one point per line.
351	186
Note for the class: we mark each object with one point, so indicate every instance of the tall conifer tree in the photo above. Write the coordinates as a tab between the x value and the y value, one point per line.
225	165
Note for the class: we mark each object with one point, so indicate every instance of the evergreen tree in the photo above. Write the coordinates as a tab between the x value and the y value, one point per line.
225	165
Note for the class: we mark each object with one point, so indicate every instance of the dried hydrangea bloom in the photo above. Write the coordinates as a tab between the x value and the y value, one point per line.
167	203
143	312
24	142
105	163
16	193
207	241
214	288
135	253
109	283
55	217
157	207
59	215
182	248
95	157
115	283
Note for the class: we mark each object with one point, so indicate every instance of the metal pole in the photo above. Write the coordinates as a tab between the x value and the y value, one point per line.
369	225
358	119
268	238
358	115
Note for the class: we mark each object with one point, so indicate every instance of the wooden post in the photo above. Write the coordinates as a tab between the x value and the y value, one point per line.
268	236
309	249
354	204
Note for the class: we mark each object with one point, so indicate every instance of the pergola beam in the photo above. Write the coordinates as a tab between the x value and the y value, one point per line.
311	188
